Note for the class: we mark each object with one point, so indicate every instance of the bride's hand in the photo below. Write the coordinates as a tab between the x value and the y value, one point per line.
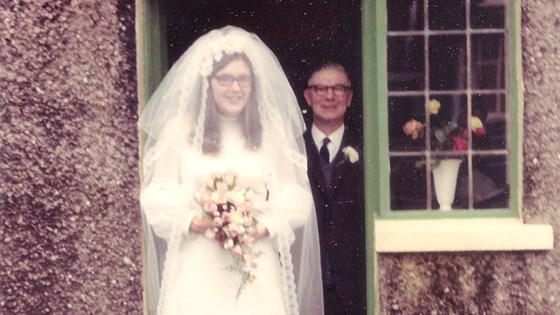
201	224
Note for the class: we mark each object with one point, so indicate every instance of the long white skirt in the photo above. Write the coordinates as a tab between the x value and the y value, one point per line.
201	284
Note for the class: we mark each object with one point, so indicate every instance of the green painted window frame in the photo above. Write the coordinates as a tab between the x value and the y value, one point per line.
376	138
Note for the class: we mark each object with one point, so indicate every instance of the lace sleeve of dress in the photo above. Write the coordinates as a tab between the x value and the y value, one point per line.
289	210
163	197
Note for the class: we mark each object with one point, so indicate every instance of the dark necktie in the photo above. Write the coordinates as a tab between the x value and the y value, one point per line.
324	151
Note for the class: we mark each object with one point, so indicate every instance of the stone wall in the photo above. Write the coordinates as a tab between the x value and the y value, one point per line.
70	222
504	283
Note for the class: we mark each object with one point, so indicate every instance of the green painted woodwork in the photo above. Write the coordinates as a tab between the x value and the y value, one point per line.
376	136
374	87
515	93
155	47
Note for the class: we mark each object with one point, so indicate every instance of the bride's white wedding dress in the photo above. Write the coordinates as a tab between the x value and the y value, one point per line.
196	278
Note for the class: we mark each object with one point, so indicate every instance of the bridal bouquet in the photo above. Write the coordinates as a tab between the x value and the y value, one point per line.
230	207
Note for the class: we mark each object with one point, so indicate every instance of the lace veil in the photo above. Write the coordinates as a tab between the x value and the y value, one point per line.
175	115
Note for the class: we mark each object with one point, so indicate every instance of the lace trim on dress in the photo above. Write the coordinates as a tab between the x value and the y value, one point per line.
170	257
290	296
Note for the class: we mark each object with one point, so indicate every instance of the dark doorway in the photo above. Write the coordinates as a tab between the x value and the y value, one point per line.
301	34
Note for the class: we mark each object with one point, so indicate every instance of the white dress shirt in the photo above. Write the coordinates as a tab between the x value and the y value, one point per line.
335	137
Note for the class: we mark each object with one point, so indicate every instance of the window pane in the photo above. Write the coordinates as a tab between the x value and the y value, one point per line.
487	14
405	63
488	64
401	110
447	62
404	15
490	186
408	183
449	121
490	108
447	14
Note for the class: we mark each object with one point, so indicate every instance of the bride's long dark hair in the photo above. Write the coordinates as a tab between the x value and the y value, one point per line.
248	118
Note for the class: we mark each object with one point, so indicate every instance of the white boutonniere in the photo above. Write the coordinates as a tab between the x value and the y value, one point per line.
351	154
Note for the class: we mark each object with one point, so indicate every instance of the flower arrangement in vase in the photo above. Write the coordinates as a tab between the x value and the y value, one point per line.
444	136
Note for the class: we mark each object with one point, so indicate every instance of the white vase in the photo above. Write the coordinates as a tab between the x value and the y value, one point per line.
445	182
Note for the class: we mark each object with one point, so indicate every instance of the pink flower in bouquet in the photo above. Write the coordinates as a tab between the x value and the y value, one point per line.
218	222
230	207
249	240
231	231
226	217
210	207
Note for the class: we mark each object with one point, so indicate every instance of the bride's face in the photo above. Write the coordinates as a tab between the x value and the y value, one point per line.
231	87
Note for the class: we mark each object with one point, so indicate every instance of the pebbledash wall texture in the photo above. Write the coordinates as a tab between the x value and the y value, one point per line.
70	219
500	283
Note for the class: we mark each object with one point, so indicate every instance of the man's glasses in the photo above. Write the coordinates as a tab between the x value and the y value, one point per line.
227	80
322	90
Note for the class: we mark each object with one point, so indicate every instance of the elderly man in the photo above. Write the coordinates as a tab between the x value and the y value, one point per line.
335	169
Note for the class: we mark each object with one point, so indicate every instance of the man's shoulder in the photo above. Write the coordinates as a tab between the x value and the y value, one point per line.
353	137
307	136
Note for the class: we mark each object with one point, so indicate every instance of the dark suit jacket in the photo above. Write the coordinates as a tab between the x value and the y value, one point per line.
340	216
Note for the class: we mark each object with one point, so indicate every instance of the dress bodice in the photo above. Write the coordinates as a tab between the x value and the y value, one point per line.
233	157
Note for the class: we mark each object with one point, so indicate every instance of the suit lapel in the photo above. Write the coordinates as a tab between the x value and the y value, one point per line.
313	162
340	163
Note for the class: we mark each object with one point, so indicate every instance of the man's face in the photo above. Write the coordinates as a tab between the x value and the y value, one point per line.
328	105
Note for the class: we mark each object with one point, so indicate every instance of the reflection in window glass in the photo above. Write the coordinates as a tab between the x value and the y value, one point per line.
447	99
447	62
491	110
405	63
401	110
490	185
447	15
406	15
408	184
488	64
487	14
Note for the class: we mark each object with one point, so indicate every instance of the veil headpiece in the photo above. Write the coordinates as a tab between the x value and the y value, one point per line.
179	103
175	115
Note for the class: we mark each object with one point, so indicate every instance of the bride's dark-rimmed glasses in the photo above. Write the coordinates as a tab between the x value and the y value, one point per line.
322	90
227	80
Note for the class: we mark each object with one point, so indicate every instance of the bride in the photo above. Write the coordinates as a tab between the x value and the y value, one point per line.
226	115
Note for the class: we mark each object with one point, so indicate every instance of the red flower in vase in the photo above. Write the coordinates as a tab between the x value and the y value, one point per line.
444	135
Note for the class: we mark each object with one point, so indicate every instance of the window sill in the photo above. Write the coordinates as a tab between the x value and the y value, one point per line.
442	235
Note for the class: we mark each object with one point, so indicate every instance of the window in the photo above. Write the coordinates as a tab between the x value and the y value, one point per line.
444	78
450	52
